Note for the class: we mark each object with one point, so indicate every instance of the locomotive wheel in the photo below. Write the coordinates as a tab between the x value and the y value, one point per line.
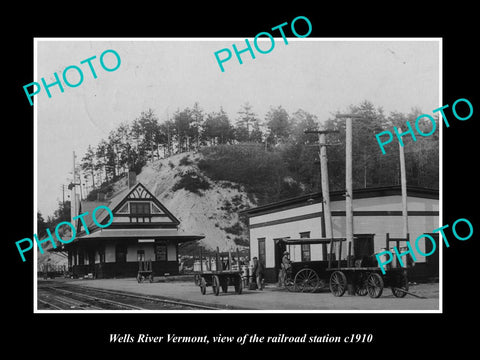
401	282
203	285
374	285
307	280
338	283
216	285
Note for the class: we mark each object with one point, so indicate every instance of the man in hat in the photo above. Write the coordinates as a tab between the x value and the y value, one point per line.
258	272
285	268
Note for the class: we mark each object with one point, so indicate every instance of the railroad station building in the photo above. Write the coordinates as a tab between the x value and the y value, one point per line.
376	212
142	229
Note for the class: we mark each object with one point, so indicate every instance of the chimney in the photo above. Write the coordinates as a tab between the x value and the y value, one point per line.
132	179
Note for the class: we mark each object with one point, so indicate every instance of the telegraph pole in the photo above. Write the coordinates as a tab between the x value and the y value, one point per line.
348	177
403	181
63	195
325	183
73	196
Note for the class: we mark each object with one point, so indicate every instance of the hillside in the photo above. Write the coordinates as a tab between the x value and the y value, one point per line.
202	205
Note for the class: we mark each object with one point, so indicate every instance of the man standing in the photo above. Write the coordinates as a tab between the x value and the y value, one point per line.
285	268
287	263
258	272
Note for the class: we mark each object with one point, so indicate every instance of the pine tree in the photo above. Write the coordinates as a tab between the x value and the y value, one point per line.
88	164
247	127
279	125
197	123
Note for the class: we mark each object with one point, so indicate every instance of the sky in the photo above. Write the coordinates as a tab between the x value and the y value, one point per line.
320	76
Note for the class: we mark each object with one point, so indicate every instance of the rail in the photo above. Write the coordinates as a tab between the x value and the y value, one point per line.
69	297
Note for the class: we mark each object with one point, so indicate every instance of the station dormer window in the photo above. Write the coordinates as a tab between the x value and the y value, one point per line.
139	208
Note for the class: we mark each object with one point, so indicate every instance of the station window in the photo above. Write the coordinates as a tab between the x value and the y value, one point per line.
261	250
306	252
140	208
160	252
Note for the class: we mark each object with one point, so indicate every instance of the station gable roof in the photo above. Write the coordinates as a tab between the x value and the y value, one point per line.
137	193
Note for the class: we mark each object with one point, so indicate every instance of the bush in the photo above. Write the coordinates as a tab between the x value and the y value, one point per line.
235	229
261	172
192	182
241	241
185	161
227	206
237	200
105	189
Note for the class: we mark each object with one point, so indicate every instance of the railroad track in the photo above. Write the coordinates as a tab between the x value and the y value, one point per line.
81	298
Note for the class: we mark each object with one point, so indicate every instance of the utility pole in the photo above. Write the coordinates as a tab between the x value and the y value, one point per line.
325	183
349	178
80	183
168	134
403	181
73	196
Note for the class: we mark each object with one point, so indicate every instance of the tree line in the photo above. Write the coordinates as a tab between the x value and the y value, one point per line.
280	135
131	145
290	166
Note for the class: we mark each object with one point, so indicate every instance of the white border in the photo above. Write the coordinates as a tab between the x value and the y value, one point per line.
35	167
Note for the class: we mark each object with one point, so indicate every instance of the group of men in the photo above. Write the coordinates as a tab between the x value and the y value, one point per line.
258	270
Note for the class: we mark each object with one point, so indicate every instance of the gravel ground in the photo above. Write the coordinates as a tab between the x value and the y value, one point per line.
273	298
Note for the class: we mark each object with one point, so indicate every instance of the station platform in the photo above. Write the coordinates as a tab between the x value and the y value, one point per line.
272	298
